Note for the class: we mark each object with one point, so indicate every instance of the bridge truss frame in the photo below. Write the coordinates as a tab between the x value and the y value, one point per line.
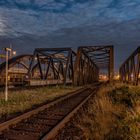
80	68
130	70
95	57
60	60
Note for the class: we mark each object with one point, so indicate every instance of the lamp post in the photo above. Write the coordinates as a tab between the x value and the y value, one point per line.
6	73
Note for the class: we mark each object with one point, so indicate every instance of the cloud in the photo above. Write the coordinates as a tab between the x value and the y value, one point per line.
70	23
125	42
44	17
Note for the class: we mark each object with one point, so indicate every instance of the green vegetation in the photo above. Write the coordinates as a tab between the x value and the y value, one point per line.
20	101
127	95
128	126
122	95
114	114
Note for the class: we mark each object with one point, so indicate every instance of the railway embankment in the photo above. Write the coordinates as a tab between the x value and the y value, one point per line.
46	121
112	114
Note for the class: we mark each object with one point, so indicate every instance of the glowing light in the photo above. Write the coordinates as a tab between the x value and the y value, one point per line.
14	52
132	75
103	77
117	77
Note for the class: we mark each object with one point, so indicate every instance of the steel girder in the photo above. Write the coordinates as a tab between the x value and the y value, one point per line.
17	63
130	69
85	71
89	60
65	65
53	64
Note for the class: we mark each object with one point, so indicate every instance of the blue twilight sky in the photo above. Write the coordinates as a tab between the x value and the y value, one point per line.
28	24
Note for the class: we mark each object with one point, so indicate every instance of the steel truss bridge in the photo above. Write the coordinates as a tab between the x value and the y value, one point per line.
63	64
130	69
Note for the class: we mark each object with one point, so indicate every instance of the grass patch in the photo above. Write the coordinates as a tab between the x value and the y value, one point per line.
128	127
122	95
19	101
114	114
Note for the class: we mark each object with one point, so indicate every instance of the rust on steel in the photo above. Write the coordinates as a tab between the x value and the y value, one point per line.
55	131
17	62
53	63
7	124
47	120
130	69
89	61
63	65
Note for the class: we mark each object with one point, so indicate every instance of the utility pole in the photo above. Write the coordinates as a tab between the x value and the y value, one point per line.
6	73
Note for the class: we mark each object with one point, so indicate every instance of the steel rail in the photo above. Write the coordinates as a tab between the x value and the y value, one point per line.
54	132
23	126
13	121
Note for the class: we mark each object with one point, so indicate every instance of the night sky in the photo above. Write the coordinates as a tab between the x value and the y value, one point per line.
29	24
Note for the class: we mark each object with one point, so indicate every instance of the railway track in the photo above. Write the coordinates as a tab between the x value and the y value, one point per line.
45	122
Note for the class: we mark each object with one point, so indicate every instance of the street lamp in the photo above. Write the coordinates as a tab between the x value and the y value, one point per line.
6	73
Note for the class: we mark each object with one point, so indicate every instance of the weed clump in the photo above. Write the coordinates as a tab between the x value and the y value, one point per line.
128	126
114	114
122	95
